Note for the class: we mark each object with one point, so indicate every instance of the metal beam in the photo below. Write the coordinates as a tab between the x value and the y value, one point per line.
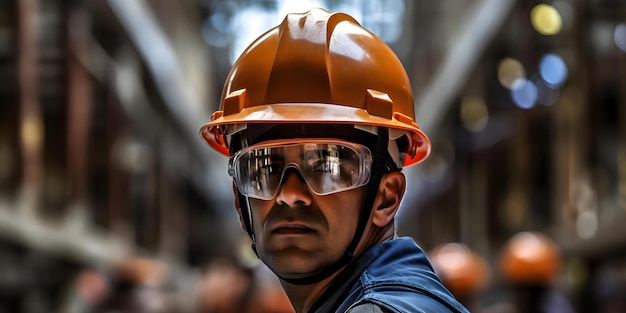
480	26
160	57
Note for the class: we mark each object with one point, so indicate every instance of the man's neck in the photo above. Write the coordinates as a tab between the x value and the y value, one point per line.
304	296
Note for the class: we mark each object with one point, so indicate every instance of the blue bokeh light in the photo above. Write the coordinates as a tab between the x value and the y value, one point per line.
620	36
553	70
525	94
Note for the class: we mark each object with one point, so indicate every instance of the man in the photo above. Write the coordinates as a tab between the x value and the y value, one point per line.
317	117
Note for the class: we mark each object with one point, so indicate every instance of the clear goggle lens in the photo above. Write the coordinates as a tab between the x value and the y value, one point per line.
326	167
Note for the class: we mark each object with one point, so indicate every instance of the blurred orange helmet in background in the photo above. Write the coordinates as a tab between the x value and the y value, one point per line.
529	258
319	67
460	269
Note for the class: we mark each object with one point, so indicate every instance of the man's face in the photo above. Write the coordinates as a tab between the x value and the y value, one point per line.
299	232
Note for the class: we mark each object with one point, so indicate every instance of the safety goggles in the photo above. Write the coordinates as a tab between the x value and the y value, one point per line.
326	166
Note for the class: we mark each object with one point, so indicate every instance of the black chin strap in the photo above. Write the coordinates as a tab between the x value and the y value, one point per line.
247	218
378	168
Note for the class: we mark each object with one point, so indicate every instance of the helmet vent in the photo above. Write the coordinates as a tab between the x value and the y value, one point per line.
235	102
379	104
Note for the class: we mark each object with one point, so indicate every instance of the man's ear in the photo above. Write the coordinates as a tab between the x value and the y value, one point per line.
238	206
390	193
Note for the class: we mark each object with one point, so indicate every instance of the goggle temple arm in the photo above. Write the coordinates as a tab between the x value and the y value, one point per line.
244	208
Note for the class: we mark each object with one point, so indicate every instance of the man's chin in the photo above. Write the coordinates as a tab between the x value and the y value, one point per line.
294	264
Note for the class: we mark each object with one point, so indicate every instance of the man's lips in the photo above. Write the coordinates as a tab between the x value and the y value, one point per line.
292	228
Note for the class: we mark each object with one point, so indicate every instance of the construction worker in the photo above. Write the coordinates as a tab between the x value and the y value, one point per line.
317	118
139	285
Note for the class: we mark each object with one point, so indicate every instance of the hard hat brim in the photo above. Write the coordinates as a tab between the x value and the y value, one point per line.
213	132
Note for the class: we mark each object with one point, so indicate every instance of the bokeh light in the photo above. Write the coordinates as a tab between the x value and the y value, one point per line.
620	36
546	19
216	28
553	70
510	72
525	95
32	132
474	113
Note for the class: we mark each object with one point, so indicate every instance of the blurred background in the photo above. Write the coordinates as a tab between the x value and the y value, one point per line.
111	202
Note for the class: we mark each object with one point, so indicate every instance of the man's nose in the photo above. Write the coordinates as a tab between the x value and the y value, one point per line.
294	190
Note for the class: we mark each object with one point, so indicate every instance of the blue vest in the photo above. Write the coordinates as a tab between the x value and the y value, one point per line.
400	280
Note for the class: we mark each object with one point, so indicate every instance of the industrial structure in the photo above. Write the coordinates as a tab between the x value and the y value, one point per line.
101	162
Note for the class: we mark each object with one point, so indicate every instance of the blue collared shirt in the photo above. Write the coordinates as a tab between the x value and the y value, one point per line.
394	275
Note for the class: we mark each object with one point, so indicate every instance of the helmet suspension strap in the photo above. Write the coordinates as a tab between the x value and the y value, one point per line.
247	218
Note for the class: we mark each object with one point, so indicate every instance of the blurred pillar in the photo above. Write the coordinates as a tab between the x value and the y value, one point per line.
173	226
621	158
31	123
79	106
570	116
570	146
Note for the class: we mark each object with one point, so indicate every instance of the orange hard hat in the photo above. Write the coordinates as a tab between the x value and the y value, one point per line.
319	67
460	269
529	258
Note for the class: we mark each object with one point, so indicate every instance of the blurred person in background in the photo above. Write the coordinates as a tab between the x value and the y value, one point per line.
87	292
140	286
529	264
225	287
267	294
132	285
318	120
464	272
